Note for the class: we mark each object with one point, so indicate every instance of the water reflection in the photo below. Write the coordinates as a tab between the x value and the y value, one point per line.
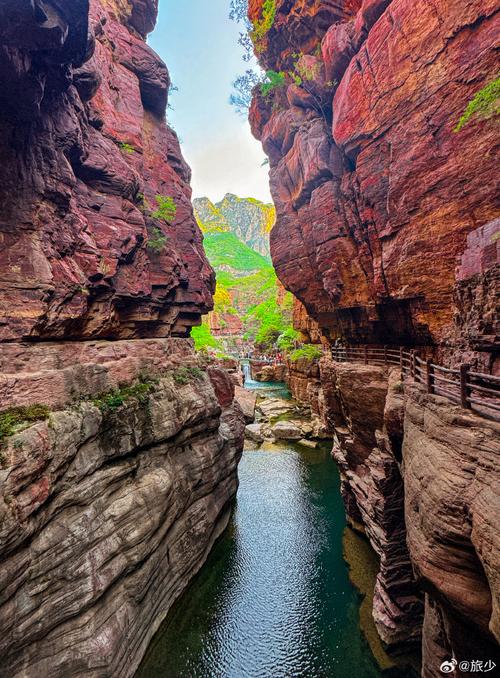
274	599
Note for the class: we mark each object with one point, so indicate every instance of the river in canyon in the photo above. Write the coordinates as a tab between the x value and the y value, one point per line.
274	599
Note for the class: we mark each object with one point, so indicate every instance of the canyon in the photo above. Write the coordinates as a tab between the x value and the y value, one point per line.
118	446
119	442
387	233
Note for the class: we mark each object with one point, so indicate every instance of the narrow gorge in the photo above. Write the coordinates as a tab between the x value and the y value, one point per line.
336	351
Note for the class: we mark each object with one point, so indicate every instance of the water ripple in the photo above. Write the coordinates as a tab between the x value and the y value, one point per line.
274	600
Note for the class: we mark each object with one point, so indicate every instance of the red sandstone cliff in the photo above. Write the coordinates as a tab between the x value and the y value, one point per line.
112	499
375	193
387	232
85	151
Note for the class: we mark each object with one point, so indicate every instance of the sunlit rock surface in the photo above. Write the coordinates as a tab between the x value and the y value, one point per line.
375	193
387	232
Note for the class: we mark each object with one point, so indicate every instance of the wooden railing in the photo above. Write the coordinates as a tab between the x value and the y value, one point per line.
472	390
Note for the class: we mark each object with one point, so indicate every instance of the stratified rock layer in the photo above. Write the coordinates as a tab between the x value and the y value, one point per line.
387	231
106	514
85	150
364	408
452	504
375	193
111	503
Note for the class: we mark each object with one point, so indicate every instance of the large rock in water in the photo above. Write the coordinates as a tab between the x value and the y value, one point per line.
375	193
84	151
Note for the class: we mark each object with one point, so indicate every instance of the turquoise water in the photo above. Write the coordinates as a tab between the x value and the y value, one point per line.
274	599
270	389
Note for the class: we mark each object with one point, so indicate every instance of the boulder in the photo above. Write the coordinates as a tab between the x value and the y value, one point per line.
254	432
287	430
246	400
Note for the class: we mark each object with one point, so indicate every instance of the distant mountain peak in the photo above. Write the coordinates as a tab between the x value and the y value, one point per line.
248	218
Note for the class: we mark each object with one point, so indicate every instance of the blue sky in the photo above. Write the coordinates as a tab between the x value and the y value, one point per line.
199	44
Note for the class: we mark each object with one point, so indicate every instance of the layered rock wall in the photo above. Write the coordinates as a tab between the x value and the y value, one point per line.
420	479
107	511
118	451
452	504
375	193
364	409
85	151
387	232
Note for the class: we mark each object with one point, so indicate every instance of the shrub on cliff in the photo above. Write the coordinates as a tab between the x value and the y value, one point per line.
107	402
204	339
166	210
185	375
309	351
287	340
485	104
13	418
156	240
126	148
273	82
262	26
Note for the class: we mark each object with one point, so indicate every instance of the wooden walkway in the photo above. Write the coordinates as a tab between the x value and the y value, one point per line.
472	390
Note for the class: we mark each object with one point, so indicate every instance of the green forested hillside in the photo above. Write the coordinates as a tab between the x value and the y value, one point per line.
249	219
226	251
247	287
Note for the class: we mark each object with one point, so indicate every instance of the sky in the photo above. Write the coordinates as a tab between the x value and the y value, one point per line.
199	44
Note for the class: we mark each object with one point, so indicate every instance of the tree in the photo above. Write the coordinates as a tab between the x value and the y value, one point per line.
241	98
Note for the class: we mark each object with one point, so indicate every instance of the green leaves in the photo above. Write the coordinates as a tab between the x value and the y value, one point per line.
485	104
112	400
274	81
156	240
16	416
167	209
126	148
309	351
262	27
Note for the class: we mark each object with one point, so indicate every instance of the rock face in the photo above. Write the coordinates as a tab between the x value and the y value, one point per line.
249	219
420	478
111	500
452	503
304	381
261	371
375	194
387	232
106	515
368	432
85	151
